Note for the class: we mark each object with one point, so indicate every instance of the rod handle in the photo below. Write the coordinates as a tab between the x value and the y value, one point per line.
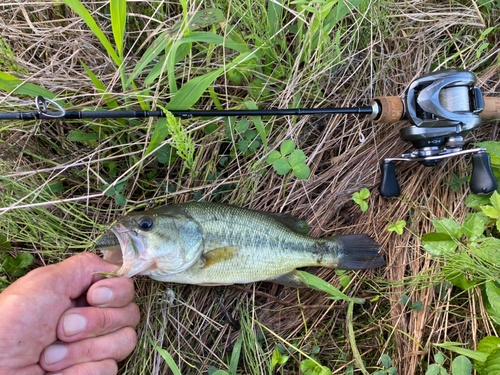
391	109
491	109
482	180
389	186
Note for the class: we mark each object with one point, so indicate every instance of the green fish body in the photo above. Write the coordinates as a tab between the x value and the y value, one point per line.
217	244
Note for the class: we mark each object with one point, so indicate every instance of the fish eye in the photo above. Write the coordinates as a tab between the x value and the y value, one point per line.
146	223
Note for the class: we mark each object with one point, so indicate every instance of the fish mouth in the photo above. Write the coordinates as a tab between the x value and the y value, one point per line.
125	248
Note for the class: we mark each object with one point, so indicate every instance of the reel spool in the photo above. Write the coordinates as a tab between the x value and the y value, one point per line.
442	107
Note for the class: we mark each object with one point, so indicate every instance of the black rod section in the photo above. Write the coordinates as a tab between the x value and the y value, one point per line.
185	114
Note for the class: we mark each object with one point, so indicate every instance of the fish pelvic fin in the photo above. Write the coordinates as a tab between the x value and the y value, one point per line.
219	255
357	252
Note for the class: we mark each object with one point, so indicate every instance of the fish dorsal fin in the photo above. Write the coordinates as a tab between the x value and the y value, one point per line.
291	222
219	255
293	279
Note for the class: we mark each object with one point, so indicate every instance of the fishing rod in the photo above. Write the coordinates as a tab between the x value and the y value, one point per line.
442	107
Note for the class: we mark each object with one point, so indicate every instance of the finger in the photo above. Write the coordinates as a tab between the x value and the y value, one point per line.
83	322
117	346
73	276
114	292
106	367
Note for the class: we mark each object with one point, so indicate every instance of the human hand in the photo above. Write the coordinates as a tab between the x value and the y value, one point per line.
47	326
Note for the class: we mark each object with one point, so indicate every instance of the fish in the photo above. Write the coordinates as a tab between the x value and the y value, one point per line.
205	243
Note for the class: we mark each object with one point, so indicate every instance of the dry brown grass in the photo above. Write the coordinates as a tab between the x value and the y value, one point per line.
344	153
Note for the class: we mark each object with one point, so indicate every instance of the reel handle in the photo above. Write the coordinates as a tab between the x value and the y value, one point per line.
389	186
491	109
482	180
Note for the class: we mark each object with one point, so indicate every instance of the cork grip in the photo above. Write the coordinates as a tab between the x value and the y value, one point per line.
491	109
391	109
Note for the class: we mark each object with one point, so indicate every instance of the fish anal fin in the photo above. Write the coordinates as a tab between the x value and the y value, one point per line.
293	279
219	255
291	222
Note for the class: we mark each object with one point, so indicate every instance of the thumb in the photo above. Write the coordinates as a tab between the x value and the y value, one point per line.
77	273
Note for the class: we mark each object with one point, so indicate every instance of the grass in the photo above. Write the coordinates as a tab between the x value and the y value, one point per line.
61	180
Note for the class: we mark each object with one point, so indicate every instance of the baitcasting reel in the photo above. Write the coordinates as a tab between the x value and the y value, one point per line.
442	107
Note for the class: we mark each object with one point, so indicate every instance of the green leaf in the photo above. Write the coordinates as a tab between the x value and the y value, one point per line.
297	157
281	166
287	147
397	227
363	206
495	200
4	244
442	371
386	361
24	260
192	91
120	200
243	145
461	366
488	344
170	361
160	133
302	171
87	18
118	10
235	356
81	136
439	358
417	306
307	365
456	347
404	299
9	264
492	363
257	89
364	193
490	211
320	284
54	187
438	243
250	134
344	281
493	294
164	154
211	128
259	125
392	370
111	103
273	157
14	85
357	198
449	227
474	225
110	192
242	126
220	372
475	200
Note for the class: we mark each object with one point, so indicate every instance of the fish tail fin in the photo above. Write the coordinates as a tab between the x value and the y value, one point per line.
357	252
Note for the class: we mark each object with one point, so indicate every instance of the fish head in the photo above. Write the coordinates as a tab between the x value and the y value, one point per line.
152	243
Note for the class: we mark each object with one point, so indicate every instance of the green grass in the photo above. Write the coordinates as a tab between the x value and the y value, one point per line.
63	182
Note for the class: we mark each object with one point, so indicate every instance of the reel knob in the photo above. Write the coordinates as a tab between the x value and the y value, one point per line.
482	180
389	186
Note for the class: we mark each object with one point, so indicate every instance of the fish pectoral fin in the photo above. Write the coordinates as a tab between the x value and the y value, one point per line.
293	279
294	223
219	255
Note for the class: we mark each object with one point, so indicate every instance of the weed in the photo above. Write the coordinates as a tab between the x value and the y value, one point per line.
397	227
289	159
360	198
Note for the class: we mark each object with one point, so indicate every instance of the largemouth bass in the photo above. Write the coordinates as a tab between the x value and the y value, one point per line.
218	244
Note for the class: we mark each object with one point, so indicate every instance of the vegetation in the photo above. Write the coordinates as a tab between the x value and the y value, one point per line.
432	310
